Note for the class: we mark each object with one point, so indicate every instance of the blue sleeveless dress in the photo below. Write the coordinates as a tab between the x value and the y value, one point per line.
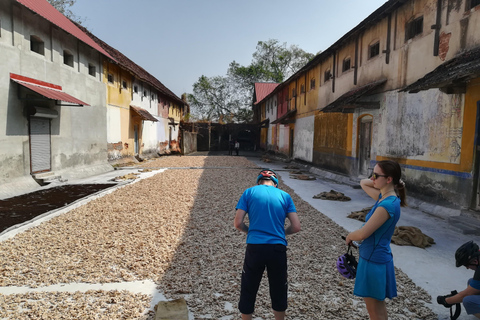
375	272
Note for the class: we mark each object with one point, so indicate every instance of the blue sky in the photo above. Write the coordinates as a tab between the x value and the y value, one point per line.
177	41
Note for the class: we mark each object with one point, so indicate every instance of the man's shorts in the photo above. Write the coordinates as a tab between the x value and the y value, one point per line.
273	257
471	303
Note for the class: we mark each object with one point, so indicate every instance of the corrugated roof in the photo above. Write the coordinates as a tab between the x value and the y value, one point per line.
134	68
454	72
48	90
47	11
263	89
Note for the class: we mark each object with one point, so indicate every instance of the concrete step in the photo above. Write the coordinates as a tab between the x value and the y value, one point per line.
466	225
46	177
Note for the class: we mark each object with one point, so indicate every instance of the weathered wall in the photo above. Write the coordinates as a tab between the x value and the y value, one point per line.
332	147
189	142
78	135
304	132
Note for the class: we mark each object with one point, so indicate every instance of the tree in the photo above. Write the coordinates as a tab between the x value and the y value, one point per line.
272	62
215	99
228	98
63	6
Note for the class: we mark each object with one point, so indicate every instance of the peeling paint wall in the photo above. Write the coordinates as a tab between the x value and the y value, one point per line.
303	146
283	139
331	141
424	126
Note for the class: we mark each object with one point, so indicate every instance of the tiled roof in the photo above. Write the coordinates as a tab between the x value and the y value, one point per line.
47	11
144	114
263	89
128	64
350	97
454	72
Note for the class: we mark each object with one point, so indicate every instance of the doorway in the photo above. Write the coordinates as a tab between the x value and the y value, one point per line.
135	139
40	145
364	144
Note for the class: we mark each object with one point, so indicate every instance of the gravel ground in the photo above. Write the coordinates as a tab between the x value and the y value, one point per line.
176	228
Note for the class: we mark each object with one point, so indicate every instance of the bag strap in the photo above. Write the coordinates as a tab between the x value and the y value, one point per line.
458	308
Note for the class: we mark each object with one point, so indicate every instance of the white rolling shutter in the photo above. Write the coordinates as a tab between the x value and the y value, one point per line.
40	148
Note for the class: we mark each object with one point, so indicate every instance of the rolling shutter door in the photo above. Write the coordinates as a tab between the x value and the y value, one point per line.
40	148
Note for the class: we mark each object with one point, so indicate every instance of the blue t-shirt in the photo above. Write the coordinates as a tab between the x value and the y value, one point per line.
475	283
267	209
376	248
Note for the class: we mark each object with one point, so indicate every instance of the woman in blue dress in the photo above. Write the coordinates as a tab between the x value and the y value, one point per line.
375	278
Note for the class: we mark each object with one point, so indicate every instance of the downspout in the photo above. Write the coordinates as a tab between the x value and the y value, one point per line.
305	89
296	92
333	70
437	26
389	32
355	70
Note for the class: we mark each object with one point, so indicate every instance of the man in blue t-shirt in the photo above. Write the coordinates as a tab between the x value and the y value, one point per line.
267	207
468	255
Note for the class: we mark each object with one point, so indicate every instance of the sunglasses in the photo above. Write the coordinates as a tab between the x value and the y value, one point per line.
375	176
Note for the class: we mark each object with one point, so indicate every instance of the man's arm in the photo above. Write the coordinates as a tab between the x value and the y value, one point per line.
458	298
238	222
294	226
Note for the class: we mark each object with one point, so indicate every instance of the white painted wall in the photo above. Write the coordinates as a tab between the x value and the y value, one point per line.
303	143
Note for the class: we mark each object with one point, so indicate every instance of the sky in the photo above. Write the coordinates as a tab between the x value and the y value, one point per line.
178	41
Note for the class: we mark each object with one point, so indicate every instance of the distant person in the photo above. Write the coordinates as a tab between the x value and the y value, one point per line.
375	279
467	255
231	146
267	207
237	147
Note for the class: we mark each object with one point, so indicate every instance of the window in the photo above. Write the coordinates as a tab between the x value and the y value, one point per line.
302	89
37	45
144	93
294	92
472	4
124	84
67	58
286	97
346	64
110	78
92	70
312	83
374	50
135	89
327	75
413	28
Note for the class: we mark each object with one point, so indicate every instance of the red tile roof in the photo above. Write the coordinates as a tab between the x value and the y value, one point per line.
262	90
47	11
48	90
134	68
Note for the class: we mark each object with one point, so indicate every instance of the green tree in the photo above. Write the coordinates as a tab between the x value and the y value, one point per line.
216	99
63	6
272	62
228	98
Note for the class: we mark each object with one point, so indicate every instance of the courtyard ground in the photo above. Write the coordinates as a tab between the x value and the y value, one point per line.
170	235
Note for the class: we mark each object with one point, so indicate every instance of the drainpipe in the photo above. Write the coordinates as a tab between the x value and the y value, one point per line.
436	27
305	89
389	31
355	70
333	70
